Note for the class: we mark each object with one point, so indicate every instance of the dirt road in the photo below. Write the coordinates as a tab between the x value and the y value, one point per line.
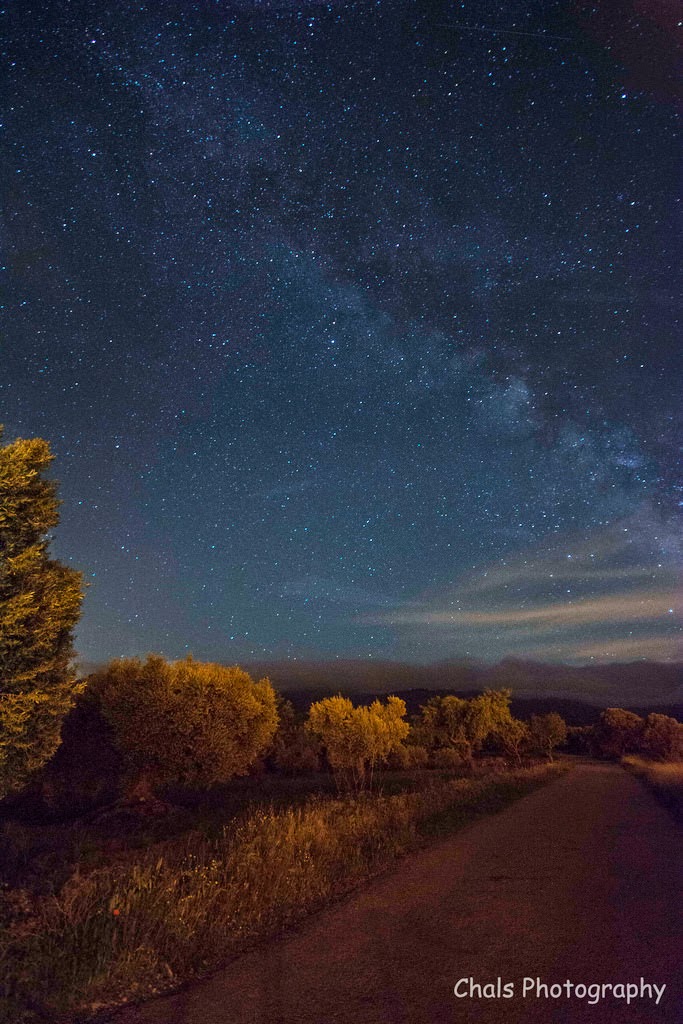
578	882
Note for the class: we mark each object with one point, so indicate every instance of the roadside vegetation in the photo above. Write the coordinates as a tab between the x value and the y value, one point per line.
664	779
209	814
178	909
158	817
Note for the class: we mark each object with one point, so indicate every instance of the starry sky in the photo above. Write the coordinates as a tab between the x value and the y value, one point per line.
352	325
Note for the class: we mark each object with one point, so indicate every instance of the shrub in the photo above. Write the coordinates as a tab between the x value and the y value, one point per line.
663	738
417	756
449	758
580	739
618	732
187	721
406	757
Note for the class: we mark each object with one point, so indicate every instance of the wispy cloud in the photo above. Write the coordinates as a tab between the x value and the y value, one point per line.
612	593
611	609
655	646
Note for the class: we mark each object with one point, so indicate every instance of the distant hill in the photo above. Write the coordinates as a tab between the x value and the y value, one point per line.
640	685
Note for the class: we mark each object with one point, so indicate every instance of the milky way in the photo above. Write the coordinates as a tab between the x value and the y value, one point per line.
352	326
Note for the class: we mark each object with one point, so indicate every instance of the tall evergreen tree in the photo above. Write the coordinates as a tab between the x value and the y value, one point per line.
39	606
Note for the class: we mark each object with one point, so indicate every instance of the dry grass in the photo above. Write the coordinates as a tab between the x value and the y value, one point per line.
664	778
124	932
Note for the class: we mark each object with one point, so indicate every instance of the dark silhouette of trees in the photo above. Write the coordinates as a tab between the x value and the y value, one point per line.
40	603
295	751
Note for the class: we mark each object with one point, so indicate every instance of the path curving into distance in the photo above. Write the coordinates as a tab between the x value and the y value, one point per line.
579	881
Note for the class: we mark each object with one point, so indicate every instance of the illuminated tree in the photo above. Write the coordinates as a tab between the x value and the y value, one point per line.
663	738
462	725
443	724
186	721
618	732
356	739
547	732
39	607
513	736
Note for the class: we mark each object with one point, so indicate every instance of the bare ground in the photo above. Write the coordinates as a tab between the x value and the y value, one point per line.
581	880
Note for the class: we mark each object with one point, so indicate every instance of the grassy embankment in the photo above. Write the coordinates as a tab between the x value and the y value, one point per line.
665	779
123	932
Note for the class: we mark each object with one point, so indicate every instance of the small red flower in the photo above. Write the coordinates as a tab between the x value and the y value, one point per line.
116	913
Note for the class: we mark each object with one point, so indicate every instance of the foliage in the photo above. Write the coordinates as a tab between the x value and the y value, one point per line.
448	758
462	725
294	751
664	779
405	757
547	732
186	721
663	738
39	606
513	736
618	732
129	930
444	724
357	739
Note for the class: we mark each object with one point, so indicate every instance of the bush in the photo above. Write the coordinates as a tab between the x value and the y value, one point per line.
461	725
618	732
662	738
405	758
580	739
129	930
184	722
299	757
449	759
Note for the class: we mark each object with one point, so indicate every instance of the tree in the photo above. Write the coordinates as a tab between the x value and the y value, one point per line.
186	721
513	737
462	725
356	739
445	723
547	732
618	732
40	603
294	750
663	738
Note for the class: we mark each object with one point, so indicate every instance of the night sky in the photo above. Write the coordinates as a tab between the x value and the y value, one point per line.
352	325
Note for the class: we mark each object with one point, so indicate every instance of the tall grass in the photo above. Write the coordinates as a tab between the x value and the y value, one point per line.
664	778
124	932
